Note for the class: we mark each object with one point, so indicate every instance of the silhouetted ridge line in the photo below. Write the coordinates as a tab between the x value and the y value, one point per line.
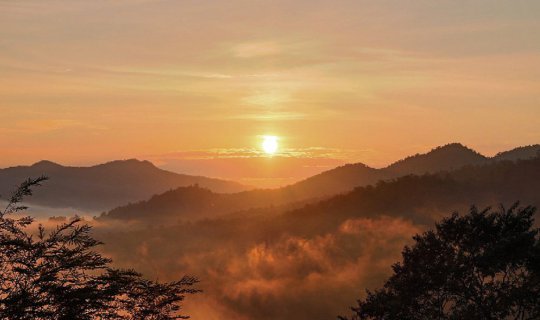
106	185
116	183
525	152
449	157
490	181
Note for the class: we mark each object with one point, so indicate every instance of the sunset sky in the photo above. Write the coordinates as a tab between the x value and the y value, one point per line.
194	86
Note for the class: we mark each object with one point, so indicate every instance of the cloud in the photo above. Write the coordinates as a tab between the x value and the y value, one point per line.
214	153
179	73
284	277
252	166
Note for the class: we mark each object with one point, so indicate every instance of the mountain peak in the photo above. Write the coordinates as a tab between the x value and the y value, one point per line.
447	157
519	153
454	146
106	185
46	164
132	163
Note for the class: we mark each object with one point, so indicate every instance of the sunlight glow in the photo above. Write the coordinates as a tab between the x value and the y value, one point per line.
270	144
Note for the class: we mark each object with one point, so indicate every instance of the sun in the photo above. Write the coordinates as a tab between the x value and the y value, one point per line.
270	144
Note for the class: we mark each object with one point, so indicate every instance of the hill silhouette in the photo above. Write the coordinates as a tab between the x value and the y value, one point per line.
526	152
117	183
326	249
426	198
193	203
104	186
449	157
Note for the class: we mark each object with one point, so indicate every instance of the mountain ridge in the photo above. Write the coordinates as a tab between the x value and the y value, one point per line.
327	184
450	156
104	186
116	183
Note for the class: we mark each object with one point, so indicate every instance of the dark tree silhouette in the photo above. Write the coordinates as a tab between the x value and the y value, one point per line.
59	275
484	265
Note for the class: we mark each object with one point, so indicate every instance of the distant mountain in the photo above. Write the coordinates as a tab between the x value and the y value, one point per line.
445	158
526	152
118	183
193	203
103	186
357	232
420	199
449	157
338	180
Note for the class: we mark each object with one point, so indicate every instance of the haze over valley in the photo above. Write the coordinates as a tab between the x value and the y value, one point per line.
269	160
332	233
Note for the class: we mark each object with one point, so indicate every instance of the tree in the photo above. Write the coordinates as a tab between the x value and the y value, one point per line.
484	265
59	275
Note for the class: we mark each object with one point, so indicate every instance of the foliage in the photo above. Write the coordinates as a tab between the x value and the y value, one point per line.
484	265
59	275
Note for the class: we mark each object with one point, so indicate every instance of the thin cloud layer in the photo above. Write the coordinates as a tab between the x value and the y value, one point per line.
160	76
252	166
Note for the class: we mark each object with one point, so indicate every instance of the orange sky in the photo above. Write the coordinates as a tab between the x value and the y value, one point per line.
185	82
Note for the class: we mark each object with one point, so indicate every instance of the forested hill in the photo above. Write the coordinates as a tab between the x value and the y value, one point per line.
412	196
188	203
